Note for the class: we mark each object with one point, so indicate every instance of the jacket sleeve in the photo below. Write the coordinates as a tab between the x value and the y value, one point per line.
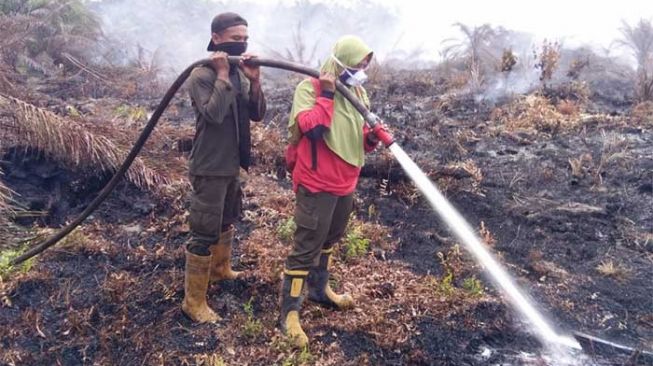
257	105
212	99
368	145
317	120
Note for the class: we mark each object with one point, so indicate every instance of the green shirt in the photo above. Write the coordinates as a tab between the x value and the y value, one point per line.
222	140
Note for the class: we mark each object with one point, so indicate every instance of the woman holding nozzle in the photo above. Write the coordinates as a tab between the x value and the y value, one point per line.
328	142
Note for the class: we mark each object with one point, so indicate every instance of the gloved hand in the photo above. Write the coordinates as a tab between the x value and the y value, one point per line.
382	134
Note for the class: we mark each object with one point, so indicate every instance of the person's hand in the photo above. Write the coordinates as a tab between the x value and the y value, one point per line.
381	132
220	64
253	73
372	140
328	82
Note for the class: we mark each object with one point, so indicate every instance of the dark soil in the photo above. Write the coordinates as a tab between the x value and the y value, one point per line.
111	295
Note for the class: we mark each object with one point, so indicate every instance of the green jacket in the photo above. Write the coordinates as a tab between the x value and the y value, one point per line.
345	136
222	142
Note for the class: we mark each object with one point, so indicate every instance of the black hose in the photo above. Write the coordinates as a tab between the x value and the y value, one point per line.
154	119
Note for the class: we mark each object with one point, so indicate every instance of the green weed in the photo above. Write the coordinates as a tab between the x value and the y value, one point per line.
7	255
286	229
473	286
132	114
355	244
304	357
252	327
445	286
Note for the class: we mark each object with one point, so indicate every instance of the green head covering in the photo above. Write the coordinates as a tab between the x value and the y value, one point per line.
345	136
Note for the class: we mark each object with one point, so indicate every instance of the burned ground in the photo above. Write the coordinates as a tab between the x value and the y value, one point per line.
564	201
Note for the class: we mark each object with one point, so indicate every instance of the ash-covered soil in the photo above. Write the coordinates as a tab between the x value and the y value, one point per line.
567	210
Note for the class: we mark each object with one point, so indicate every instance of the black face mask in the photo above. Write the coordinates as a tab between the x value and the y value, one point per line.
231	48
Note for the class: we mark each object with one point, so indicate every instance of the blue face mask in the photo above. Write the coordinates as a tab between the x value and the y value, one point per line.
351	76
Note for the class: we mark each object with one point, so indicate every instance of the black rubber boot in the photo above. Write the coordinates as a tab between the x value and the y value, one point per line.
320	291
291	303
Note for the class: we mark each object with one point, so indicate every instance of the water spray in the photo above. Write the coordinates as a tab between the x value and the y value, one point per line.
444	209
465	234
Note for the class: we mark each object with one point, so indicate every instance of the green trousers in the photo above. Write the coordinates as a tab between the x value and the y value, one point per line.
321	220
215	205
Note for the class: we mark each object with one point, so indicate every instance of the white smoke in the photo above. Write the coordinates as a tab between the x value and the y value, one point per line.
173	33
168	35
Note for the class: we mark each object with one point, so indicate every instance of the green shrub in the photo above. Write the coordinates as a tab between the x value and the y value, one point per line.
286	229
305	357
131	114
473	286
445	286
355	244
252	327
7	255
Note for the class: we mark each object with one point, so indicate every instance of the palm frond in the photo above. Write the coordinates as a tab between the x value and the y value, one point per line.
5	199
7	209
33	64
69	142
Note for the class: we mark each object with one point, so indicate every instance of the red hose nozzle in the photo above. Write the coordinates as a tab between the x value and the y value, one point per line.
382	134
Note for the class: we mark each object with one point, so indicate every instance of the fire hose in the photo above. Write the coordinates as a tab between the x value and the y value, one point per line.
588	343
371	119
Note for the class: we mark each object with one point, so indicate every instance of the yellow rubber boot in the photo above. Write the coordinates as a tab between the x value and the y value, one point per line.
319	289
291	303
221	254
196	283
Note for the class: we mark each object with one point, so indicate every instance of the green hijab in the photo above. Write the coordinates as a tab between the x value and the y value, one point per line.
345	136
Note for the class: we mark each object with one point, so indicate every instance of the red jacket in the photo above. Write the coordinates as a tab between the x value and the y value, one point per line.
333	175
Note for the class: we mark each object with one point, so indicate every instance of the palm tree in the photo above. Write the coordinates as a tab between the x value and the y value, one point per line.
639	39
299	51
38	34
474	48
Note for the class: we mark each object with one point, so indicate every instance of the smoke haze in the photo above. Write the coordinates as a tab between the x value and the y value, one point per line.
167	35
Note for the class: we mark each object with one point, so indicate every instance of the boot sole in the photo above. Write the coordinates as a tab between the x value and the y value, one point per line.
198	322
330	304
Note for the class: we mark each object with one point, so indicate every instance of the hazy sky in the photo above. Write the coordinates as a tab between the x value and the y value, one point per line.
182	33
425	23
572	21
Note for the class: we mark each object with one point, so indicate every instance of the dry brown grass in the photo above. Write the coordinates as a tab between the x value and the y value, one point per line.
547	60
459	176
474	171
545	268
406	191
575	92
568	108
68	141
486	235
268	143
611	268
581	165
615	149
536	112
642	114
457	80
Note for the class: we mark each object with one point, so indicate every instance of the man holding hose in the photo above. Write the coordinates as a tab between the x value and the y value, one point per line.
328	141
225	99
